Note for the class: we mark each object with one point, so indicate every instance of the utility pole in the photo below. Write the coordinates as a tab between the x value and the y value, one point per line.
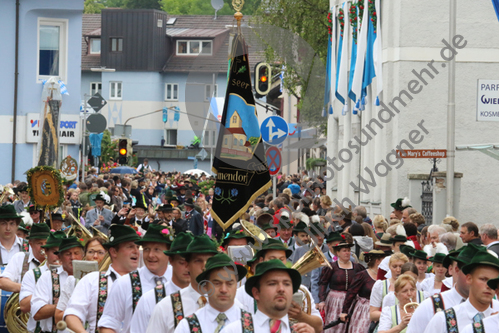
451	114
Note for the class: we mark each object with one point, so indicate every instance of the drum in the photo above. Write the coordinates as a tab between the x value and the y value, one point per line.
5	296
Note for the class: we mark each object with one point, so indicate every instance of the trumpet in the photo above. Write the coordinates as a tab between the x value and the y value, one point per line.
411	304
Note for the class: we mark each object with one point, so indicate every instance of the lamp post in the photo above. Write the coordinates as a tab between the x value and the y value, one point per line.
451	114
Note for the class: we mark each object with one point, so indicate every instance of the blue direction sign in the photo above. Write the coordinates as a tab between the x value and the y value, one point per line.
274	130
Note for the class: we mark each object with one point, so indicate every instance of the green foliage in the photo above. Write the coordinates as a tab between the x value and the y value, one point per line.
92	7
312	162
206	185
108	148
142	4
203	7
253	140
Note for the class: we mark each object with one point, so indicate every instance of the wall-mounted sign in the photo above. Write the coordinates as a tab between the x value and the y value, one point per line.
69	128
422	153
487	104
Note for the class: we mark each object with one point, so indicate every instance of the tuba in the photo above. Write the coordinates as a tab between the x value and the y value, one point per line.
15	320
77	229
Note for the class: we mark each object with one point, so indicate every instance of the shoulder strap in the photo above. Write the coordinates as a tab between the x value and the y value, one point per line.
385	289
420	296
395	321
56	292
193	322
438	303
178	309
478	327
451	321
246	322
101	299
25	246
136	288
25	265
159	292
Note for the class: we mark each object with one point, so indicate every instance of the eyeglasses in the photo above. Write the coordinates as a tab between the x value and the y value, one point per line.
100	253
32	213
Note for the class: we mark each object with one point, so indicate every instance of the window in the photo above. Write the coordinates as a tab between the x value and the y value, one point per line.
171	92
52	48
115	90
116	44
95	87
241	142
194	47
235	142
171	137
206	138
226	142
94	46
207	92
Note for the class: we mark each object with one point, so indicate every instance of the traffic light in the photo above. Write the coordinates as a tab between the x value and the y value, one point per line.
122	151
165	114
263	78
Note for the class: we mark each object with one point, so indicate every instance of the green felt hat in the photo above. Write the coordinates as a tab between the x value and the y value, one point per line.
24	227
201	244
482	258
468	252
237	234
120	234
398	205
174	198
156	233
272	265
316	229
419	254
180	243
268	226
69	243
438	258
54	239
39	231
451	256
407	250
334	236
300	227
9	212
218	261
398	238
274	244
285	223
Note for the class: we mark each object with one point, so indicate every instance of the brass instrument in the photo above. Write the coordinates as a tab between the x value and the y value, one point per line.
15	320
254	232
411	304
311	260
306	305
6	193
77	229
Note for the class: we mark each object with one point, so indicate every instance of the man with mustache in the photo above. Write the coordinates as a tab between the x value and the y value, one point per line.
272	287
127	290
84	305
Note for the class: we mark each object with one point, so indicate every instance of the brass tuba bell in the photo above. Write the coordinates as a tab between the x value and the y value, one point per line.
15	320
311	260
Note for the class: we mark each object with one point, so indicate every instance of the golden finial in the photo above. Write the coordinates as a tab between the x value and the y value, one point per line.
238	6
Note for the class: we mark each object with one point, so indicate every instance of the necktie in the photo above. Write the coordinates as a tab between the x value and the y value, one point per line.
275	326
201	301
478	317
221	321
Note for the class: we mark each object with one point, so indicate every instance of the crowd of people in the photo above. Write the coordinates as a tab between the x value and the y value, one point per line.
166	266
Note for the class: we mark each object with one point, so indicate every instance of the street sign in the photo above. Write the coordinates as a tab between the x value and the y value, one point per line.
274	160
202	154
487	104
96	123
97	102
423	153
274	130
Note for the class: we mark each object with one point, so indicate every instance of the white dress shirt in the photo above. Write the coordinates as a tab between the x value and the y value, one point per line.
390	299
145	307
440	248
8	254
83	301
118	310
207	319
66	292
385	321
428	286
15	266
448	282
162	319
377	293
27	289
423	314
464	316
261	324
384	266
43	295
490	324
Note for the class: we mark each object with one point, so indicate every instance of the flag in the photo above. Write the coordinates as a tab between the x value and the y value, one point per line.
327	88
342	69
369	70
378	51
240	162
49	120
358	77
353	57
495	3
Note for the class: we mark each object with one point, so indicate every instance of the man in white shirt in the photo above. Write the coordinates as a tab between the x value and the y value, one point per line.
10	279
31	277
275	249
86	304
272	287
127	290
491	323
144	167
483	267
435	246
450	298
180	280
219	281
10	244
188	300
47	291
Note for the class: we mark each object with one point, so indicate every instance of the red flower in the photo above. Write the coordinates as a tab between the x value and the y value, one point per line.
343	236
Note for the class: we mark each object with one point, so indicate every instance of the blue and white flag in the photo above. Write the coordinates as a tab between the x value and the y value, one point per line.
353	60
378	53
327	86
369	69
342	63
357	82
495	3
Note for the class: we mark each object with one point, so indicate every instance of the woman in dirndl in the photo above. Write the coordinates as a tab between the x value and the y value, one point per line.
338	278
357	300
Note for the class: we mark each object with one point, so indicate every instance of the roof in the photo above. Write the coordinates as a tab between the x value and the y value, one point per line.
186	33
235	130
91	23
201	21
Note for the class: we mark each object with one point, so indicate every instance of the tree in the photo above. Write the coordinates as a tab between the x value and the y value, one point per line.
92	7
203	7
142	4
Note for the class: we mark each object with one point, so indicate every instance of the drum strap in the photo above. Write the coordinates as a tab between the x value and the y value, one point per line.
451	321
56	292
136	288
178	309
101	301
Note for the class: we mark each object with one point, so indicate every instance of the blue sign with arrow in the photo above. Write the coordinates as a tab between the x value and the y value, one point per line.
274	130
